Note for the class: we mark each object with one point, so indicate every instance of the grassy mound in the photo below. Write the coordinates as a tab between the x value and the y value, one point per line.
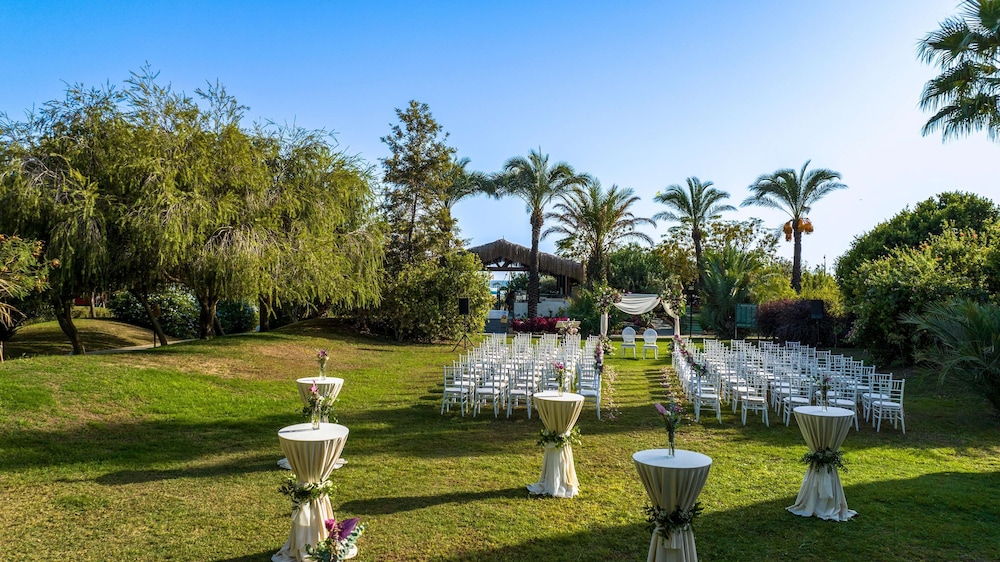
169	454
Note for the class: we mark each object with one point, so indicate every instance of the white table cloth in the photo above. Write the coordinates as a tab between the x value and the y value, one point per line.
672	482
312	454
559	414
821	493
330	386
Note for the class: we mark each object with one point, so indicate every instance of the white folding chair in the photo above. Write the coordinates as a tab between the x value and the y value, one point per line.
755	399
588	383
707	394
890	408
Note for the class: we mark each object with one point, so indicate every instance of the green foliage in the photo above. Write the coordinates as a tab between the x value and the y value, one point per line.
955	264
594	224
236	316
677	252
694	209
418	176
791	320
421	303
965	339
178	310
22	272
726	283
964	97
634	269
909	229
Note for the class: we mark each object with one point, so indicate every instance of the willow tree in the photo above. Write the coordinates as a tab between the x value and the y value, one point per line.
54	167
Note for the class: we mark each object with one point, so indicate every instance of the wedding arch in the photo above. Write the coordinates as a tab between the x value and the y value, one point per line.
636	304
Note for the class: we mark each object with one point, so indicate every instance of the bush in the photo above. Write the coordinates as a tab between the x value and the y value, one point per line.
421	303
791	320
236	316
178	311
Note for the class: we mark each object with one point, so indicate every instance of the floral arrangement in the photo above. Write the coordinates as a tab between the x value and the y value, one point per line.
672	416
605	297
341	539
558	439
319	405
823	384
666	522
322	357
303	493
560	375
698	368
825	458
673	296
606	346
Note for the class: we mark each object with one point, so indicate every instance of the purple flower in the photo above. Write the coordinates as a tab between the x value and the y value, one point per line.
660	409
322	355
313	389
331	525
347	527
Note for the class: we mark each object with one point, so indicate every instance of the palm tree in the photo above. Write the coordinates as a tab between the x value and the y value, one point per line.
596	223
794	193
536	183
461	184
727	283
693	208
966	95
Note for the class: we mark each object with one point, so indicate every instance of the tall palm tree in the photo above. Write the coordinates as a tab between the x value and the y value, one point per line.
595	223
693	208
795	194
536	183
966	95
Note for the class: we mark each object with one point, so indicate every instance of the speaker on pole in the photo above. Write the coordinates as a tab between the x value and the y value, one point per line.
463	306
816	310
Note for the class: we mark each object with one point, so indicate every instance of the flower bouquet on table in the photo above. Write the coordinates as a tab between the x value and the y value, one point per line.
320	408
340	543
322	357
672	416
823	383
560	376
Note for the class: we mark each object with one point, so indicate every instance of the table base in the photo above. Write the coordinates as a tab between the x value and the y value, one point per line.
283	463
821	495
558	477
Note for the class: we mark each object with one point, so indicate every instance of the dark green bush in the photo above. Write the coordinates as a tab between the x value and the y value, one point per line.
236	316
178	311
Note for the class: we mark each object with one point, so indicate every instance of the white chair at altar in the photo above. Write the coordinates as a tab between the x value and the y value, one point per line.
649	342
628	340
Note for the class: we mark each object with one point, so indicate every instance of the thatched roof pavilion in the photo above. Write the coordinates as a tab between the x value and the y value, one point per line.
508	256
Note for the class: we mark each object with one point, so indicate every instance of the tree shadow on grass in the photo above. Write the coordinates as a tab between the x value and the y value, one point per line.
258	463
138	444
398	504
258	557
605	543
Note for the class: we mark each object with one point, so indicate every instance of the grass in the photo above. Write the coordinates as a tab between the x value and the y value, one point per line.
46	338
169	454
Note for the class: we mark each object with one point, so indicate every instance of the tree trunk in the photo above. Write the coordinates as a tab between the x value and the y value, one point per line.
264	314
796	257
533	289
93	314
217	325
64	314
206	315
153	318
696	236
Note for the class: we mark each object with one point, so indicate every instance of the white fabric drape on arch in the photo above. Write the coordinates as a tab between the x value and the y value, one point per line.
641	304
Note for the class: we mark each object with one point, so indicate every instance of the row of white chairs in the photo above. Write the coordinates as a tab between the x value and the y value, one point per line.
504	375
756	378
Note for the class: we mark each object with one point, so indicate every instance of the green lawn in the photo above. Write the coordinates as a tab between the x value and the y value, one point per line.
170	454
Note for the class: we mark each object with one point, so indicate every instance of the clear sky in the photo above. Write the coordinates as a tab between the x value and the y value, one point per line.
639	94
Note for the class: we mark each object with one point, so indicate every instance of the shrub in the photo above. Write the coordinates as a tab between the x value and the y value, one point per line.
178	311
791	320
965	336
538	324
236	316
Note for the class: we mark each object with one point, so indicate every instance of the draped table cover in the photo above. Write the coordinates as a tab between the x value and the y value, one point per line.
312	454
559	414
821	493
329	386
672	482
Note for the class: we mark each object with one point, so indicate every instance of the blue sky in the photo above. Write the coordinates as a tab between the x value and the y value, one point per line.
639	94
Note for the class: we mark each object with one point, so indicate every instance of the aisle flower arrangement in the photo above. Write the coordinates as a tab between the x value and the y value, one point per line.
605	297
340	543
698	368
